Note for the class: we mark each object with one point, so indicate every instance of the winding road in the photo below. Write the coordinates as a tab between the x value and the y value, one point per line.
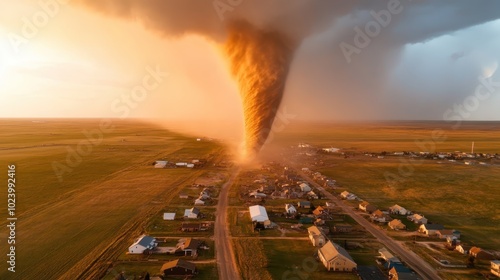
226	262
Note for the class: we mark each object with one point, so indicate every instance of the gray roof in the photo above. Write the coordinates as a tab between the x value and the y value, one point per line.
434	226
146	241
195	210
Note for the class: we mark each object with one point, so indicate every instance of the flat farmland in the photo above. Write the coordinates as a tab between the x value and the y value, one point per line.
462	197
103	200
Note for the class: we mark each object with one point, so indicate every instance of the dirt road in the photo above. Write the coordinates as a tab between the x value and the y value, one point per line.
226	263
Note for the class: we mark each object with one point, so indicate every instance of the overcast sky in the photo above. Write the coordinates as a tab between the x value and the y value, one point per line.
84	59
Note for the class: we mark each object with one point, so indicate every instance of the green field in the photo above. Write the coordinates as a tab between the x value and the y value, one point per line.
102	201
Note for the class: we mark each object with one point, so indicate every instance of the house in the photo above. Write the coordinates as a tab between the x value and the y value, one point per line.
319	222
189	246
448	233
367	207
479	253
388	256
379	216
316	236
318	211
396	225
257	195
344	194
183	196
258	214
400	272
430	229
336	258
495	268
305	187
417	219
178	268
464	249
168	216
312	195
143	244
342	228
290	209
161	163
190	227
398	210
192	213
304	204
199	201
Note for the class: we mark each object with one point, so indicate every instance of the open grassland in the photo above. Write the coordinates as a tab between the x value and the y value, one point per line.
395	136
460	197
252	266
101	204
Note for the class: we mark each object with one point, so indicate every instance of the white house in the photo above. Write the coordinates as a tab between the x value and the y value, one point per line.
161	163
258	213
257	195
199	201
168	216
192	213
290	209
305	187
142	244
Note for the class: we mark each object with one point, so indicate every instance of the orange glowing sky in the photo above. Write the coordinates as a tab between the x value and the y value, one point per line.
80	62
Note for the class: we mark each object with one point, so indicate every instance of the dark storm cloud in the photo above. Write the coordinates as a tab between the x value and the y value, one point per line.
324	82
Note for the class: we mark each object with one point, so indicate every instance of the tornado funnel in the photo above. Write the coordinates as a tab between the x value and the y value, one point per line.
259	61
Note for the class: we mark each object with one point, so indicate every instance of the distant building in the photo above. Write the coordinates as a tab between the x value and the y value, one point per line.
495	268
178	268
430	229
396	209
258	213
290	209
316	236
168	216
304	204
479	253
396	225
192	213
305	187
142	244
336	258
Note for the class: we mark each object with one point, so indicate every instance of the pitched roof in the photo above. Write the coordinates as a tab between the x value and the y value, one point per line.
331	250
446	232
178	263
191	243
195	211
318	210
315	230
395	222
304	203
364	203
378	213
258	213
145	241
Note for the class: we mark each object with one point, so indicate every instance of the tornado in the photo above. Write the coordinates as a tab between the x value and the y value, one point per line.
259	61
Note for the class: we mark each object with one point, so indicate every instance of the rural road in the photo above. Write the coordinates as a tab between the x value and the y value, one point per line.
226	262
410	258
